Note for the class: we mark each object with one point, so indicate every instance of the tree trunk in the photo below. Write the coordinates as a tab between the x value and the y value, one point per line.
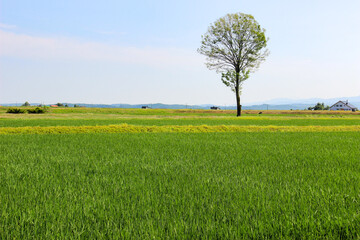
238	106
237	90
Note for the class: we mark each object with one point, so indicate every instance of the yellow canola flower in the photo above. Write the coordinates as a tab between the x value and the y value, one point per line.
126	128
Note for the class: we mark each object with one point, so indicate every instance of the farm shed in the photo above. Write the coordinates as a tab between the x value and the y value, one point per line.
343	106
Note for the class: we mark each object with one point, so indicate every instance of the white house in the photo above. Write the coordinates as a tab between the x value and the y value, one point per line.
343	105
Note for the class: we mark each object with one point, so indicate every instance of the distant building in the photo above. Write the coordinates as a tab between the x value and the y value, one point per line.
54	106
343	106
214	108
145	107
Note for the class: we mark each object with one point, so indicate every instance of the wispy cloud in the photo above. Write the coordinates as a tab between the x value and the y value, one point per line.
35	47
7	26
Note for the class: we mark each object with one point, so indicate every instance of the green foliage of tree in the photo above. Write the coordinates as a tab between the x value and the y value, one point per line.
234	45
60	104
319	106
26	104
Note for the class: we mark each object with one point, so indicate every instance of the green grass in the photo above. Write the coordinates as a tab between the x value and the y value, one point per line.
121	185
133	111
180	186
258	121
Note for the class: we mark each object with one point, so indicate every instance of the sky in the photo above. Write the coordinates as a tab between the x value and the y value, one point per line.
135	52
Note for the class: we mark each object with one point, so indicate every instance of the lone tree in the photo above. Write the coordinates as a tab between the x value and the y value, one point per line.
234	45
26	104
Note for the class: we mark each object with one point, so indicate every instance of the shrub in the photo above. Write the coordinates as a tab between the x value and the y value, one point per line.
37	110
15	110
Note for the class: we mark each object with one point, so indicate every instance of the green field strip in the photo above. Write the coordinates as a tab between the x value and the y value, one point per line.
126	128
216	121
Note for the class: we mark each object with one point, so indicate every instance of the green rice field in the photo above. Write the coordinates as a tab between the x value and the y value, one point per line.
302	183
257	121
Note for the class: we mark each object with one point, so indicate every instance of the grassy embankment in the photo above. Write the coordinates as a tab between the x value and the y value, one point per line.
182	112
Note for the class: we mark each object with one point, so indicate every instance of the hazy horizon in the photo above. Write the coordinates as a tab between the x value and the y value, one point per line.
276	101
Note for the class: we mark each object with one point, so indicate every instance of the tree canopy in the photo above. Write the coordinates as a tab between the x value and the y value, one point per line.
319	106
234	45
26	104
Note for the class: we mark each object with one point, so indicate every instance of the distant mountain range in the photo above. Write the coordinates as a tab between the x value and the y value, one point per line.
274	104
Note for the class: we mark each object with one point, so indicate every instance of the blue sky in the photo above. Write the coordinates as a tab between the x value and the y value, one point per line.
145	51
